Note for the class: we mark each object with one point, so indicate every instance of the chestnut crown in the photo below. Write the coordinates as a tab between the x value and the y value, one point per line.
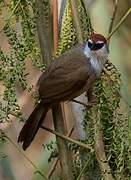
96	42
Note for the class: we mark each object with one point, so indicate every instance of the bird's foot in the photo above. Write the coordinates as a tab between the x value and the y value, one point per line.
89	104
92	101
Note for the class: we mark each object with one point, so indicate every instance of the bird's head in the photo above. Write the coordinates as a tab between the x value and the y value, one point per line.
96	49
97	43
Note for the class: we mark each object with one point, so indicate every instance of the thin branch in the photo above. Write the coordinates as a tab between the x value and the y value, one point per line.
83	169
29	160
57	160
55	22
64	154
88	147
53	168
113	16
120	23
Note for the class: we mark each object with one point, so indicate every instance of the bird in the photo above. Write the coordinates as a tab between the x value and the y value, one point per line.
68	76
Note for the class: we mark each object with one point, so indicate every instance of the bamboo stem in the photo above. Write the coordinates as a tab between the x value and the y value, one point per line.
57	160
55	23
64	154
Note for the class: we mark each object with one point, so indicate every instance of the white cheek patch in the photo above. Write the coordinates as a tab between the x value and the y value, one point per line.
89	40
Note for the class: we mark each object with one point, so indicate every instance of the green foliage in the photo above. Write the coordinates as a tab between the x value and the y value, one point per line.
2	137
23	44
26	15
8	77
68	34
52	148
113	118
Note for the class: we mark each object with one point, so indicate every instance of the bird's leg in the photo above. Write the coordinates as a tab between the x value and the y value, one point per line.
88	105
92	100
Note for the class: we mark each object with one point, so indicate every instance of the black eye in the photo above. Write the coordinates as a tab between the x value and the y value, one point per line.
89	44
97	46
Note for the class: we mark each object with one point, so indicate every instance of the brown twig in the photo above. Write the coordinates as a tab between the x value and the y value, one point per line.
88	147
53	168
55	23
57	160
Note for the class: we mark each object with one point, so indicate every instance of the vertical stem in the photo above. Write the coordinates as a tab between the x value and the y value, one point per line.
58	116
113	16
55	23
64	155
55	40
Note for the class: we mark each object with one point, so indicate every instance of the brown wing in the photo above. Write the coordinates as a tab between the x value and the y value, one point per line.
65	76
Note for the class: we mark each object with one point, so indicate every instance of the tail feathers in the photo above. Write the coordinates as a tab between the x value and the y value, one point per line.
32	124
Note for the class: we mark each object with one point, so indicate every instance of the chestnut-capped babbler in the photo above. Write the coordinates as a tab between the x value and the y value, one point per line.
68	76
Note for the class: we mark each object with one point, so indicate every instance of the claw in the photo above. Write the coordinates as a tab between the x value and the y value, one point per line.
88	105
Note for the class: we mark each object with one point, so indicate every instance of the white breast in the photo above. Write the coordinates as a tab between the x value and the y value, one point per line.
96	65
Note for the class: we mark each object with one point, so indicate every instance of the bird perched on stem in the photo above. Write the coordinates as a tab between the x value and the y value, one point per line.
67	77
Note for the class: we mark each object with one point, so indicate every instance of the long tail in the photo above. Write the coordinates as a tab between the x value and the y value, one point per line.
32	124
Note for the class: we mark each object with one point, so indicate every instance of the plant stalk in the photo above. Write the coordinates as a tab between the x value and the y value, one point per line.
119	24
58	115
64	154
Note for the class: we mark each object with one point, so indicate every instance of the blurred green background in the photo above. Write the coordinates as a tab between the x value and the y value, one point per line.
14	167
